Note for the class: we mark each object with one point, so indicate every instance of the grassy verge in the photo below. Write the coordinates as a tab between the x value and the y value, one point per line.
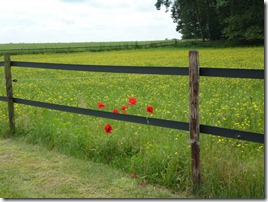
28	171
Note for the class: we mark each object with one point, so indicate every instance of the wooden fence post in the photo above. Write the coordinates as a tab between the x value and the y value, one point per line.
9	92
194	126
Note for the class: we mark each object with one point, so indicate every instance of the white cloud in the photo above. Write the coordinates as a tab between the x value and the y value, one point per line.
83	20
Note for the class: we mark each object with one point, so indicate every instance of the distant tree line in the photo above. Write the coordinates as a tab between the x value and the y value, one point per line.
234	20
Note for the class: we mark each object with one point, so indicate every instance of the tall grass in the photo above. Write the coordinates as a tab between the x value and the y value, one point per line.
230	168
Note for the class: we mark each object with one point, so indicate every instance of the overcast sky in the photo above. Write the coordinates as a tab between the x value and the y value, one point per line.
32	21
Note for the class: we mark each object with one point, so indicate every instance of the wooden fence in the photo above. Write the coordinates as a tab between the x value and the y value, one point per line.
194	72
88	48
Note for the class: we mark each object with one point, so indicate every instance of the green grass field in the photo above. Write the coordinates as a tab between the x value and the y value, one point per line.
30	171
230	168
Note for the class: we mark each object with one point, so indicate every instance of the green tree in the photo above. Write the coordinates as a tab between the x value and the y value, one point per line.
194	18
189	22
241	20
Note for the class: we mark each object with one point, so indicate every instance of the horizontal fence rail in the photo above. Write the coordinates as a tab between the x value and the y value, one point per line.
2	98
230	133
105	68
204	71
223	132
232	73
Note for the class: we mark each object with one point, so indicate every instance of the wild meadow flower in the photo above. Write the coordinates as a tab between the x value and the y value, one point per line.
142	185
132	101
109	159
115	111
133	175
124	108
108	128
101	105
149	109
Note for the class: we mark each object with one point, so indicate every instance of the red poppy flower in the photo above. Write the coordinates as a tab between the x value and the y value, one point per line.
133	175
149	109
143	186
115	111
109	159
108	128
101	105
124	108
132	101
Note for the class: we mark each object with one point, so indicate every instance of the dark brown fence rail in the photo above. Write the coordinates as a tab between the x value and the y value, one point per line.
204	71
193	71
223	132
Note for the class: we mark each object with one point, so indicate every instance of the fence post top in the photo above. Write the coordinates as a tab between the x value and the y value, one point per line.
7	57
193	51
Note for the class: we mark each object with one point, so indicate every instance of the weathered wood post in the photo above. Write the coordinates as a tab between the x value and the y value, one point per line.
194	126
9	92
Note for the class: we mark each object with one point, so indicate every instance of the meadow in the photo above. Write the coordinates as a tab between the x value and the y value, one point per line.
229	168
